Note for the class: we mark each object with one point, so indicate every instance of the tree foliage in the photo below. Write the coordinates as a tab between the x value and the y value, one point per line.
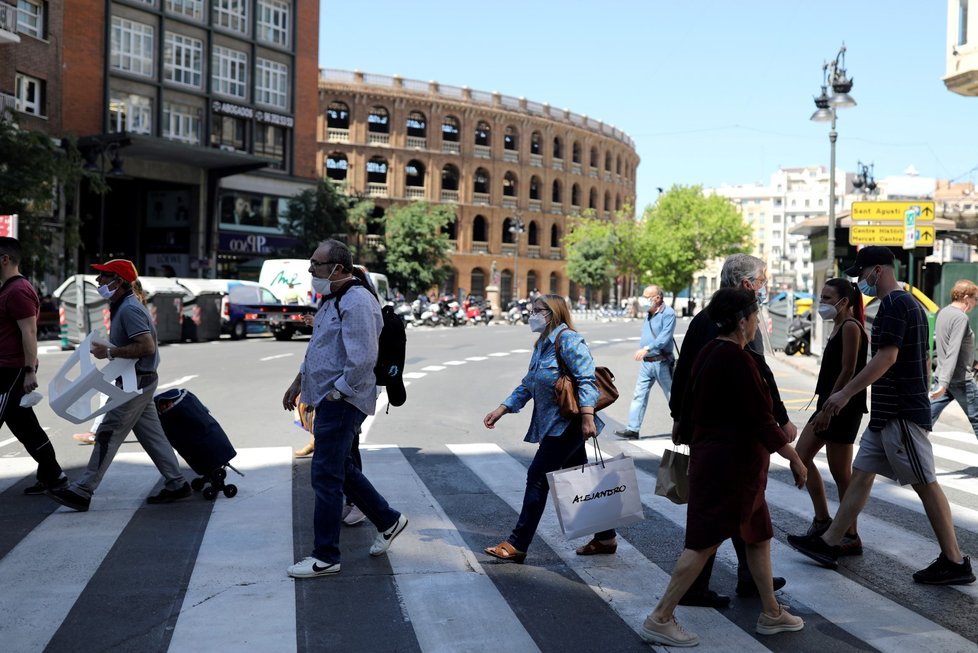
684	230
417	249
590	250
323	212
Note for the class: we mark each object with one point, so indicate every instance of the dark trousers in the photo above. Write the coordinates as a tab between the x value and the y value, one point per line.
24	425
702	582
555	452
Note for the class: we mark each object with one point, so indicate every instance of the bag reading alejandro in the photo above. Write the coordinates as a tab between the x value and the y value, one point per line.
391	345
596	497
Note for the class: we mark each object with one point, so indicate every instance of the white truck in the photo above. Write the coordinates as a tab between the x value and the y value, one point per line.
289	280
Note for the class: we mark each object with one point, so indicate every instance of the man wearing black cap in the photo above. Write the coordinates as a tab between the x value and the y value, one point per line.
337	377
896	442
131	335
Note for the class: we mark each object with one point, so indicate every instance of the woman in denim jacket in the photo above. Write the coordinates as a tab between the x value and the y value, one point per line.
561	439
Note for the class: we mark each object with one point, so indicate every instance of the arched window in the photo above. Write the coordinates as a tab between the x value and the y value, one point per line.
618	165
450	129
479	231
531	280
377	170
336	166
594	157
509	184
414	174
558	192
417	124
482	133
480	181
575	195
511	138
592	199
554	236
508	235
617	202
534	188
379	121
554	281
536	143
558	148
607	200
607	161
478	281
533	234
449	177
576	152
450	229
337	116
506	287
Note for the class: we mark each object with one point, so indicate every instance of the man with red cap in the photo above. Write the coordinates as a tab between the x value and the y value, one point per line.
131	335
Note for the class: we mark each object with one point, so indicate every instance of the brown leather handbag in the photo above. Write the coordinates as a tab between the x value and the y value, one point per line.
566	394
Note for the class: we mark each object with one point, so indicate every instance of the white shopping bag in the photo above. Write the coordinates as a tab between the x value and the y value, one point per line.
596	497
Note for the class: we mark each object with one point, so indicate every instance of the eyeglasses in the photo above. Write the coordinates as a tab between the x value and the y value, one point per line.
538	311
317	264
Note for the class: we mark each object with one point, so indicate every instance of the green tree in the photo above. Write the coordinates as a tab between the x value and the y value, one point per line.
33	170
590	250
417	250
684	230
323	212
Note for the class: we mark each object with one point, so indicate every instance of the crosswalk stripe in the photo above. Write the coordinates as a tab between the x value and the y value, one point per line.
880	622
14	470
627	581
72	545
239	597
444	589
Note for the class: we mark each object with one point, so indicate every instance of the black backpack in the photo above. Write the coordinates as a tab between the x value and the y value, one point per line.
391	346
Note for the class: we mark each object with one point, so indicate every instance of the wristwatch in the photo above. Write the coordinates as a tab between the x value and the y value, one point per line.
108	353
334	395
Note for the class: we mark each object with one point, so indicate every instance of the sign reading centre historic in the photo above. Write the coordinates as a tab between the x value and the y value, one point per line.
891	235
891	211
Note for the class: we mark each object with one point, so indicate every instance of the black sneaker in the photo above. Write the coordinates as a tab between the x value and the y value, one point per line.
748	588
706	599
627	433
816	548
71	499
851	545
819	526
40	488
944	572
169	496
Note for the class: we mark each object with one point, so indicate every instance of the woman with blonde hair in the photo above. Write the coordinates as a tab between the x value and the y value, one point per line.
561	439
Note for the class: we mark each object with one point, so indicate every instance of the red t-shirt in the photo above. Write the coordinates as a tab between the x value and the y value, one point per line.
17	301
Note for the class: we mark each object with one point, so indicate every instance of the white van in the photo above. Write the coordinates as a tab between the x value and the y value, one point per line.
289	279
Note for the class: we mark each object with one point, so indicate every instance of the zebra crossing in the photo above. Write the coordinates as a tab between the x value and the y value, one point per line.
202	576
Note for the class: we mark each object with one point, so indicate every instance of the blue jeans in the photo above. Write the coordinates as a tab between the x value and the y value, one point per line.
555	452
963	392
647	376
334	472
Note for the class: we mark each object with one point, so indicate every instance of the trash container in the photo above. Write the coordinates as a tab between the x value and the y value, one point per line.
164	299
82	309
781	310
202	308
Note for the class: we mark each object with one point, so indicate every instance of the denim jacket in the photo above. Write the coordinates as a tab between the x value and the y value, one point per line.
541	378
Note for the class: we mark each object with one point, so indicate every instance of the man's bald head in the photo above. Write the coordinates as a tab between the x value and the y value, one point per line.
652	291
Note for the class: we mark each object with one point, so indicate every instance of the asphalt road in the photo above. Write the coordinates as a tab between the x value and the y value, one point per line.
197	575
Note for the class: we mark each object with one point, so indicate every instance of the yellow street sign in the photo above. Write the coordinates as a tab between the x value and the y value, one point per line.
892	235
891	211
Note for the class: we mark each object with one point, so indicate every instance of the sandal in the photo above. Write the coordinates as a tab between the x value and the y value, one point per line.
505	551
596	547
85	438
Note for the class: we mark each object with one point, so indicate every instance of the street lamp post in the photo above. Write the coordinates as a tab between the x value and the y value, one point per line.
516	228
834	75
101	152
864	179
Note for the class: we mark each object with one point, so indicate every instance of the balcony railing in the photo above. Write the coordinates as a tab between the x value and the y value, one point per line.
8	104
414	192
607	175
480	198
533	251
536	160
8	22
483	152
376	190
334	135
556	208
480	247
417	142
557	164
509	202
555	254
449	196
374	138
535	205
576	169
375	241
593	173
509	248
511	156
451	148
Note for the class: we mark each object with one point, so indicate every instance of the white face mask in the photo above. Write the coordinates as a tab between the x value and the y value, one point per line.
321	286
105	291
537	323
828	311
644	303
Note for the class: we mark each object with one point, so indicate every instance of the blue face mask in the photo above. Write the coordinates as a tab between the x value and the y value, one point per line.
868	289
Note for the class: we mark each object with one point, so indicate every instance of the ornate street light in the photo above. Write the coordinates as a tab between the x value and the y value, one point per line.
864	179
100	153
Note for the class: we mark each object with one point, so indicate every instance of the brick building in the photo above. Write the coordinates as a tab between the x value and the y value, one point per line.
200	113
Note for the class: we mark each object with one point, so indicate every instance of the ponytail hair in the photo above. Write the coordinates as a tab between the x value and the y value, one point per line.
849	290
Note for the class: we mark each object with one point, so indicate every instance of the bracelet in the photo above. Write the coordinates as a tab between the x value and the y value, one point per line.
108	353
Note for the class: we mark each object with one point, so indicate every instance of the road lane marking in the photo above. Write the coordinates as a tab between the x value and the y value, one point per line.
476	358
499	354
599	342
268	358
8	441
433	368
454	363
415	375
181	380
617	340
520	351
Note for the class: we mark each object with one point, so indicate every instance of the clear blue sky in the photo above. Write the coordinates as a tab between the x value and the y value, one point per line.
711	91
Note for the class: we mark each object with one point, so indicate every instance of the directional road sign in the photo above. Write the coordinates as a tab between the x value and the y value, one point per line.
890	235
891	211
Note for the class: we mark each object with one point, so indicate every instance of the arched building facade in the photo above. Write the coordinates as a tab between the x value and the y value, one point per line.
498	160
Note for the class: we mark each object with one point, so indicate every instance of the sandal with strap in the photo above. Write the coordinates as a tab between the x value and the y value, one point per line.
506	552
595	547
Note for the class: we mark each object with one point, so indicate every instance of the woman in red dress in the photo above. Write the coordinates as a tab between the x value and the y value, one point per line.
734	435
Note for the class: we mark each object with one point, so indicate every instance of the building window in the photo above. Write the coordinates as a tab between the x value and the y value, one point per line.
30	95
962	22
511	139
231	14
558	148
270	144
229	71
130	113
183	59
228	132
337	116
482	133
378	121
273	22
181	123
337	166
30	18
132	47
272	85
536	143
417	125
479	231
189	8
450	129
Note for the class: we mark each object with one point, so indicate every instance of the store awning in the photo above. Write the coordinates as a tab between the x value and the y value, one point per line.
223	163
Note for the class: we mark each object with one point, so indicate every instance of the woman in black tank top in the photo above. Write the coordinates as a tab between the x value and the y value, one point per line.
843	358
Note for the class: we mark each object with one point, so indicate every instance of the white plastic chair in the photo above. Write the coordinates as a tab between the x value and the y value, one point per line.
72	398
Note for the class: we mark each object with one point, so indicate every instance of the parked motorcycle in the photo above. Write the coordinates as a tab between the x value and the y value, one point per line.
519	311
800	335
405	311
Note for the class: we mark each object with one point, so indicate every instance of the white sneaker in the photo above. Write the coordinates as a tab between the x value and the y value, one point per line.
312	567
384	538
353	517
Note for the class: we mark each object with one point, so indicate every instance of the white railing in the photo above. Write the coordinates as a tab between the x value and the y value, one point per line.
511	156
556	208
480	247
509	248
480	198
555	254
483	152
536	160
8	18
508	102
374	138
509	202
414	192
453	244
593	173
607	175
533	251
417	142
334	135
557	164
8	103
535	205
576	169
449	196
374	241
376	190
451	148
